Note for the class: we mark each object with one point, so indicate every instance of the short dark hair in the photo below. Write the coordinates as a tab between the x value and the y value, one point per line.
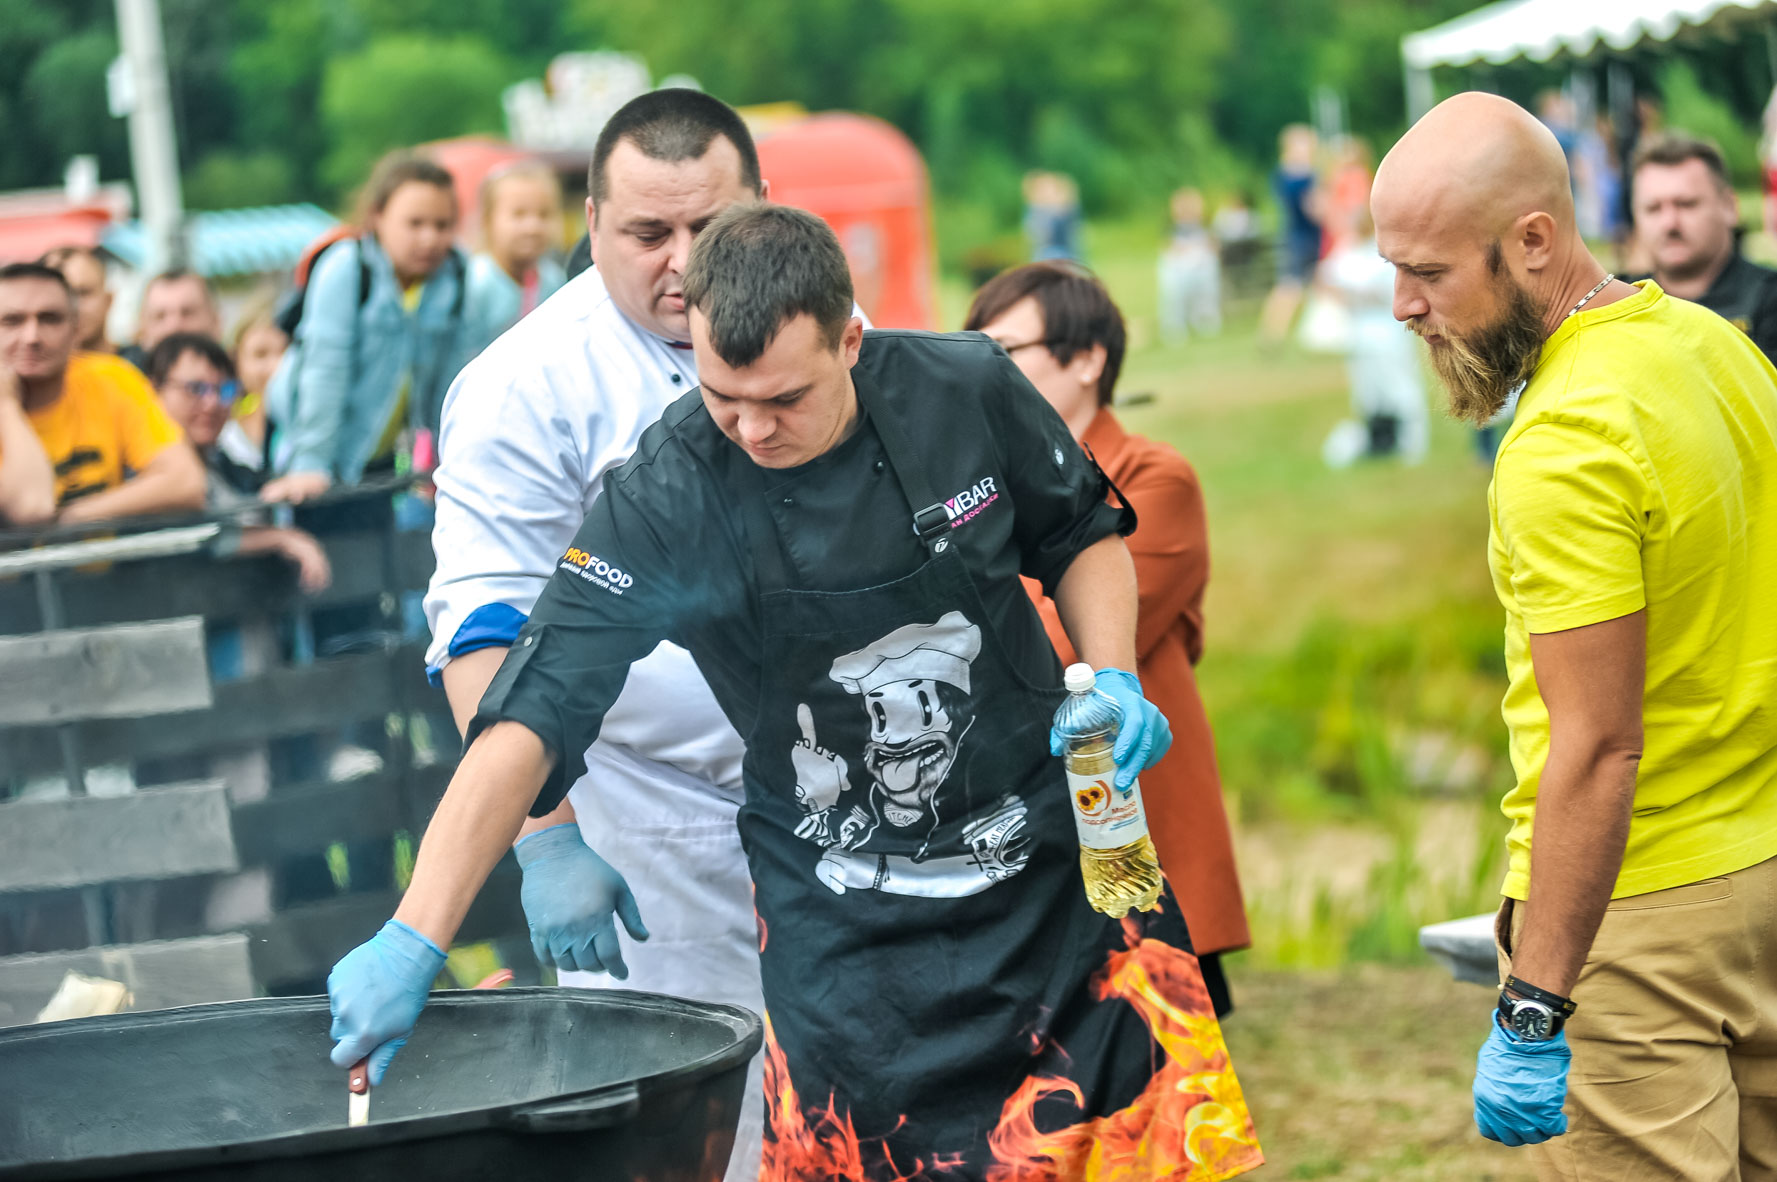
165	355
15	271
757	267
672	125
180	275
1677	147
1078	313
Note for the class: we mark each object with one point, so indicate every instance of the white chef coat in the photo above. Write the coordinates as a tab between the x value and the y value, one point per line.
530	428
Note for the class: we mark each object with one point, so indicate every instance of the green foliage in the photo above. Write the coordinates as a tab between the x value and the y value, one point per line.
64	99
402	90
227	179
1693	109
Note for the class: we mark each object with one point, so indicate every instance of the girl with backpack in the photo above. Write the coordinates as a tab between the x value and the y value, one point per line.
385	320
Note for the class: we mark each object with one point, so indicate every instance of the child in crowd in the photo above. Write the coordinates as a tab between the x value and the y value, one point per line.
521	220
259	345
1190	273
387	320
1387	384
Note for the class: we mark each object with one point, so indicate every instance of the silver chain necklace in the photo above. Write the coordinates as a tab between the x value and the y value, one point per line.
1602	284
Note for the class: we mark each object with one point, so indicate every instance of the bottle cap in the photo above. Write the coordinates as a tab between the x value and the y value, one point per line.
1079	678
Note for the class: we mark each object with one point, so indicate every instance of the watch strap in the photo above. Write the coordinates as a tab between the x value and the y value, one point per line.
1509	1006
1561	1005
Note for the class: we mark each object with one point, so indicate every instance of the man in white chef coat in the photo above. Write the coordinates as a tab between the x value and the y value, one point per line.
530	428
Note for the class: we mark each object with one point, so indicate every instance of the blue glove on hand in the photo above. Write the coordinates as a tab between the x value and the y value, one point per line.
1144	737
1520	1087
569	895
376	993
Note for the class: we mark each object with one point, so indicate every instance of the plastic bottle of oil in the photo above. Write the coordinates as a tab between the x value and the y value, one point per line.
1116	855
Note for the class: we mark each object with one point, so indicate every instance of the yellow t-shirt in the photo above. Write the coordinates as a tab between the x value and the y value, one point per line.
1641	472
106	426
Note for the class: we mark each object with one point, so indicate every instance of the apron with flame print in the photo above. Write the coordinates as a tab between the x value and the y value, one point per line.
942	1003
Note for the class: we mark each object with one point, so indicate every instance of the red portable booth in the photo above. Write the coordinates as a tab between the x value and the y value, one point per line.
869	183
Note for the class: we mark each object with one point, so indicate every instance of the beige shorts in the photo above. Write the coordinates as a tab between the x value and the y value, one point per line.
1675	1039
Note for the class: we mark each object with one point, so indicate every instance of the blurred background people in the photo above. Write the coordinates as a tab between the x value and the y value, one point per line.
1347	193
1381	362
1299	234
341	409
198	387
1687	220
521	223
259	346
114	450
173	301
1190	273
1052	220
84	270
1061	328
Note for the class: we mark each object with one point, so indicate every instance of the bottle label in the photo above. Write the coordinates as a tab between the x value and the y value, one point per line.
1107	817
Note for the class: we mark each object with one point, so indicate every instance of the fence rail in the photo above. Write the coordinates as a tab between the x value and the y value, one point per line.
174	825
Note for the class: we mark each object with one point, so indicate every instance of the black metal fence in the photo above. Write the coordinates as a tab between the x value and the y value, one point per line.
173	809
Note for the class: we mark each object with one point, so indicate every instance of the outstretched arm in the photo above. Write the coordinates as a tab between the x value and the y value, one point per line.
476	823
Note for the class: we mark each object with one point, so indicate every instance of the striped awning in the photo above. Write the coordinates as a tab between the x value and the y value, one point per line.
222	243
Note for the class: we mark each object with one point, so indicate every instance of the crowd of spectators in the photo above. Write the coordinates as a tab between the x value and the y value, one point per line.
292	402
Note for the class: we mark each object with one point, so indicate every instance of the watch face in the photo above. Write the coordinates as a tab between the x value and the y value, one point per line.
1533	1021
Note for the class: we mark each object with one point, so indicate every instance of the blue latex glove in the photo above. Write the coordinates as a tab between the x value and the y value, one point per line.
1520	1087
376	993
1145	735
569	895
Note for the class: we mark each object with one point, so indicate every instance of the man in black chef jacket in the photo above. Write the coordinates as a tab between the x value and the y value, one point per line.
834	526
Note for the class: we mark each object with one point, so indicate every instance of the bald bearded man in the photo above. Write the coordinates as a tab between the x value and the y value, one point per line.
1634	548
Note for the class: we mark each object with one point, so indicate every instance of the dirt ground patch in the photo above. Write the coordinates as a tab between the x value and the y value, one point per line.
1364	1074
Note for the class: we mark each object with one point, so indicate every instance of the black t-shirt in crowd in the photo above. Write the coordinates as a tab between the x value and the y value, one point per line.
664	555
1745	295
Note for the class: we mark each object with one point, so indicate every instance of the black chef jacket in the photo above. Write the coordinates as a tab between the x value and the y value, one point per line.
663	554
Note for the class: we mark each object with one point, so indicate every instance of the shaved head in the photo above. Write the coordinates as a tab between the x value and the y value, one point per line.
1474	207
1475	160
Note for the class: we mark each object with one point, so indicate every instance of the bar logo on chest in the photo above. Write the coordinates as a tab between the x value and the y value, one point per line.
967	504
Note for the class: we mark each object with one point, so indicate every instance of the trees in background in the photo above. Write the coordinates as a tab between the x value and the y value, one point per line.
281	100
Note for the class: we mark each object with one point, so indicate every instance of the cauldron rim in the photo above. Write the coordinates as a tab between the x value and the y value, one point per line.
747	1026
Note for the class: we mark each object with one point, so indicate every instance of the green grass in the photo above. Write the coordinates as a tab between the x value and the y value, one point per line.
1353	672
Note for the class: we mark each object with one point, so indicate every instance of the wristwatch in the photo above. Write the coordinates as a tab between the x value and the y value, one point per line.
1532	1014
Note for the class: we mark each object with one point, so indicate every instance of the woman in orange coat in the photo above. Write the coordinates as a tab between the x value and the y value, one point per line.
1062	329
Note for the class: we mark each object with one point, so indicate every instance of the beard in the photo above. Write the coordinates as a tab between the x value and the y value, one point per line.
1481	369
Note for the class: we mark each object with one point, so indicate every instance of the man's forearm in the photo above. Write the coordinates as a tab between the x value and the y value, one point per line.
27	479
477	821
1583	806
172	487
466	679
1096	600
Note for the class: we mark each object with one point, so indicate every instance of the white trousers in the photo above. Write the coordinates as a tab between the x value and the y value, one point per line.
673	838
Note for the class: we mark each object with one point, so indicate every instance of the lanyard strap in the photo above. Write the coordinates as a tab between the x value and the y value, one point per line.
931	523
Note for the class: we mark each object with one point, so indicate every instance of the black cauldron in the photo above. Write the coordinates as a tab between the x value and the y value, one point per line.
493	1085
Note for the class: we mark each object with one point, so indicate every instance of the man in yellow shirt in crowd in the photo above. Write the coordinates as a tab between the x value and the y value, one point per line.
111	450
1634	548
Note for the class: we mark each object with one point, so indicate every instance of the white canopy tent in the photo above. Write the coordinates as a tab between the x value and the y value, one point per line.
1542	30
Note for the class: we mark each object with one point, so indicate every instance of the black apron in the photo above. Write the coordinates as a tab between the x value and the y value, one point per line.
939	994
